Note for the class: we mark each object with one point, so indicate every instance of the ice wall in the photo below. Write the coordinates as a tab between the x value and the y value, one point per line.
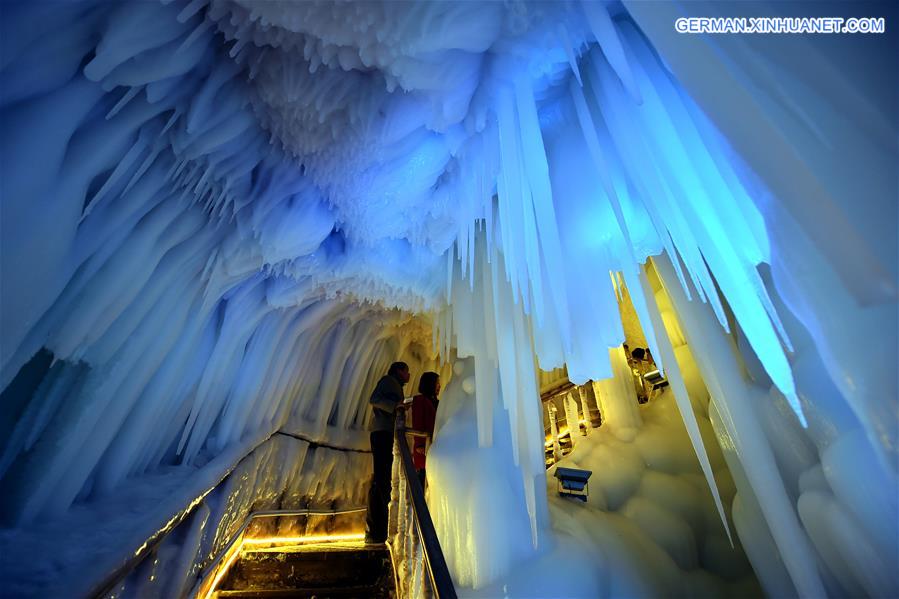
95	538
189	280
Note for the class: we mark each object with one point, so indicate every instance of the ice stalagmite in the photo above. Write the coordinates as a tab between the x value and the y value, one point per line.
582	394
571	417
616	396
554	431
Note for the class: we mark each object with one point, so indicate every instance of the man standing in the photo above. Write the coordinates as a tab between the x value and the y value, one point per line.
386	398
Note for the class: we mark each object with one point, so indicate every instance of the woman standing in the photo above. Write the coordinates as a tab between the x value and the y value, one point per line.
424	411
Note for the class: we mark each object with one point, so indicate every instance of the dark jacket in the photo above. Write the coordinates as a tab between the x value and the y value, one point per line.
387	395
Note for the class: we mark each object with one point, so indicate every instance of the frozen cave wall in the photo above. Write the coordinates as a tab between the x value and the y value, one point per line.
225	218
278	472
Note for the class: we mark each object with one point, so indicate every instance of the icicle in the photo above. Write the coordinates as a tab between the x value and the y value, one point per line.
585	408
733	398
608	39
617	396
615	286
470	249
434	327
537	174
194	35
486	391
190	10
666	352
129	95
172	119
148	161
565	40
121	168
641	307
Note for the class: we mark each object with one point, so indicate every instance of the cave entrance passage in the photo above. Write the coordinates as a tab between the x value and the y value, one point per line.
571	410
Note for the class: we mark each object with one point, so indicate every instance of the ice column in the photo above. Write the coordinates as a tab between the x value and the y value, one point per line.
585	407
617	397
554	431
733	396
574	425
476	498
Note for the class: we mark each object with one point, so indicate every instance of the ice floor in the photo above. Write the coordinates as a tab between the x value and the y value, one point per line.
649	517
649	528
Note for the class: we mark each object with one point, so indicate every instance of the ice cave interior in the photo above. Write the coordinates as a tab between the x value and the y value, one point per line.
223	219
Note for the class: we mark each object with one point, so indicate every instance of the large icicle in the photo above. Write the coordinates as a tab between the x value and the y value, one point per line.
684	405
732	396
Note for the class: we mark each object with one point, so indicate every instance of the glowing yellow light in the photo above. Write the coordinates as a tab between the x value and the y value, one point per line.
235	552
239	547
305	540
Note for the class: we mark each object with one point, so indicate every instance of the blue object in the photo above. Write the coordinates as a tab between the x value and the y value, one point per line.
573	482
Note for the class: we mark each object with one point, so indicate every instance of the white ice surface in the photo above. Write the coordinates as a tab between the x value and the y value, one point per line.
649	527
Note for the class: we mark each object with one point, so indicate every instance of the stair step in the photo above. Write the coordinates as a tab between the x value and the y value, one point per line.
310	572
372	592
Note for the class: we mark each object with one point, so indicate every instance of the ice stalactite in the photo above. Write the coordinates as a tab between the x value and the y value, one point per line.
807	169
498	340
632	175
483	525
182	267
682	396
733	396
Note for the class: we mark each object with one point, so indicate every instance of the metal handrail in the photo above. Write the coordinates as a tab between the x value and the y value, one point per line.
109	582
441	581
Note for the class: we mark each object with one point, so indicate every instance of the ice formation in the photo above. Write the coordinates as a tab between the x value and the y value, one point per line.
225	218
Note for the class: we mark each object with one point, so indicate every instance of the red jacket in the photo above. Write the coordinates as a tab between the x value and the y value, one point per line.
424	411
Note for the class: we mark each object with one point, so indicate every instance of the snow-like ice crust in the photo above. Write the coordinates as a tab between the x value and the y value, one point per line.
649	527
224	218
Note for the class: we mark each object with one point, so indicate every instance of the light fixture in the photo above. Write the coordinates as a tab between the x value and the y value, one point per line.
573	482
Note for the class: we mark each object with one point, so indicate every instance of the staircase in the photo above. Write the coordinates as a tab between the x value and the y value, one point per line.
308	553
333	569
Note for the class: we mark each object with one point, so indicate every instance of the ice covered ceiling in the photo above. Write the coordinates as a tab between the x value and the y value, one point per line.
222	216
